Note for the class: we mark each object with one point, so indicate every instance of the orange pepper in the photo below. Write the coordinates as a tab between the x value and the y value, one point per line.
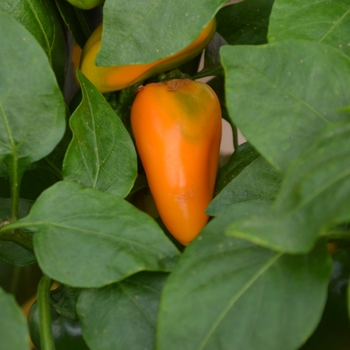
107	79
177	130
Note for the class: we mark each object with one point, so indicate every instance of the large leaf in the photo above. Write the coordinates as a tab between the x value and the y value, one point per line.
227	293
87	238
32	109
131	36
315	196
41	19
10	251
246	22
281	95
122	315
322	20
101	154
13	328
258	181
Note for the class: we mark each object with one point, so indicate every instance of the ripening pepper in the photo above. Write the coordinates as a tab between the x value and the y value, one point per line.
108	79
86	4
177	130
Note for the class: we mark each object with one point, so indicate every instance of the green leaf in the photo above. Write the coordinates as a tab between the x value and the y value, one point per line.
314	197
101	154
122	315
13	328
281	95
228	293
130	35
240	159
32	109
41	19
10	251
64	300
333	330
87	238
324	21
258	181
246	22
77	21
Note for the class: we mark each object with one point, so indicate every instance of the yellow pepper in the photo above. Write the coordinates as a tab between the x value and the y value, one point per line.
114	78
177	130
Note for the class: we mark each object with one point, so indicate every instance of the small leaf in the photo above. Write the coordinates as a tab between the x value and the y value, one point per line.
323	21
64	299
101	154
294	89
122	315
315	196
130	36
87	238
240	159
246	22
228	293
258	181
13	327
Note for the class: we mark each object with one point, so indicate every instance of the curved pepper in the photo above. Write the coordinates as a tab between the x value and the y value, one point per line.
86	4
107	79
177	129
67	333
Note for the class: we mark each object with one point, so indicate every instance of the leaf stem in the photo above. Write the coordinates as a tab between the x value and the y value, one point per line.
12	234
46	337
9	231
15	190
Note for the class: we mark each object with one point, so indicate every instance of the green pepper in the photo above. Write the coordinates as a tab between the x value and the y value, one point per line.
66	331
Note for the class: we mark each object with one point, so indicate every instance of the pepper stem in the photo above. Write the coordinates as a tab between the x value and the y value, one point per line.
46	337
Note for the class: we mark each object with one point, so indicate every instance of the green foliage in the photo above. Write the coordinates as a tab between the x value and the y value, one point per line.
13	330
259	275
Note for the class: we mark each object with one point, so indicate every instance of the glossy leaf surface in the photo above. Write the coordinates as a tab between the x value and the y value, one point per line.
22	141
293	94
41	19
258	181
226	292
315	196
122	315
324	21
245	22
130	35
87	238
13	328
101	154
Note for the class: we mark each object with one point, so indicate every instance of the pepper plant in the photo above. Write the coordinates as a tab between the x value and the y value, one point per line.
269	271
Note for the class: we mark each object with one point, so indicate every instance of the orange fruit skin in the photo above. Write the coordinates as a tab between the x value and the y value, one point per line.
177	130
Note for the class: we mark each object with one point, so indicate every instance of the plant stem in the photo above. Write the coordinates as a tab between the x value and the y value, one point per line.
12	234
46	337
234	136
